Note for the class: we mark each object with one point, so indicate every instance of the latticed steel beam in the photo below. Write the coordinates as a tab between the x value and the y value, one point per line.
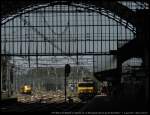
57	54
110	5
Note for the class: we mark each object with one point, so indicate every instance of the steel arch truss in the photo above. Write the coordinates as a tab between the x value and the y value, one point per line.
64	29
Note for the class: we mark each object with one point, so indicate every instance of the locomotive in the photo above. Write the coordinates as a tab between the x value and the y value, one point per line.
86	90
26	89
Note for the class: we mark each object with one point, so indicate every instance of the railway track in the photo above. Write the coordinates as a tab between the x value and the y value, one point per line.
60	106
40	106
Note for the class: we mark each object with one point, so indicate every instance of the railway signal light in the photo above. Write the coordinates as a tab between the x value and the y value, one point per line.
67	70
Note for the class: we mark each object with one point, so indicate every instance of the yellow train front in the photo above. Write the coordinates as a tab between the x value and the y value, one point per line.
26	89
86	90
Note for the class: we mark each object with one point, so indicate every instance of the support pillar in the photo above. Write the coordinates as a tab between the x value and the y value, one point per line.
146	65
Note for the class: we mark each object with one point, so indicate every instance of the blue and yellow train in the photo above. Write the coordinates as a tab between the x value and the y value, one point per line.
86	90
26	89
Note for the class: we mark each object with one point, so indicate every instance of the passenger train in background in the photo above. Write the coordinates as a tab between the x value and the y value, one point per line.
26	89
86	89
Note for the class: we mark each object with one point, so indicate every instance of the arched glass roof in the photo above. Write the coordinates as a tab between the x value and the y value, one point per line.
135	5
66	31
